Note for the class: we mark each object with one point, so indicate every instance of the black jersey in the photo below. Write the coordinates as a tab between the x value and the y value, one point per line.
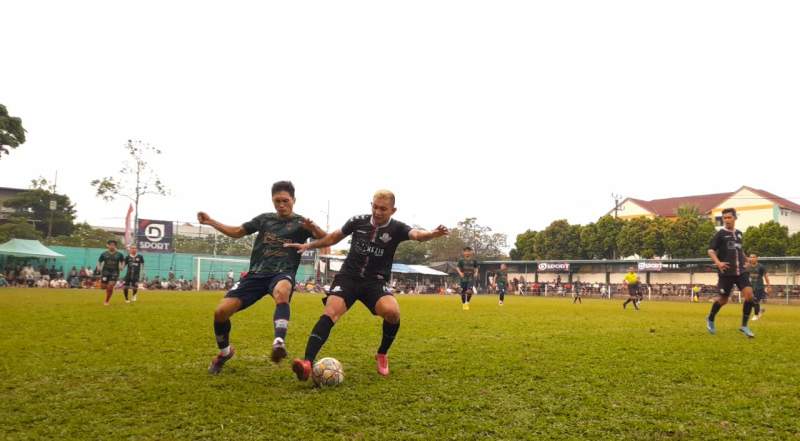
372	247
134	264
728	246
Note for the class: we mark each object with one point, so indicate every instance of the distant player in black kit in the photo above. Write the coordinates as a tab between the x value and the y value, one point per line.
726	252
134	262
758	274
109	265
577	287
364	276
272	269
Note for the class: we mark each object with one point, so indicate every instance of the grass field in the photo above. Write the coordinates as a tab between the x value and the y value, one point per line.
533	369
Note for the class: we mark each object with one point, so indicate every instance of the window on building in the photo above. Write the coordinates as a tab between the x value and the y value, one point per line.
718	221
784	212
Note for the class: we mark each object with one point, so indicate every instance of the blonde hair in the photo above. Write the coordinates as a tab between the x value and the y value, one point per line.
384	194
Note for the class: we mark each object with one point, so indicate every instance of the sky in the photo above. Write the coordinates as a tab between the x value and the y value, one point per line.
517	113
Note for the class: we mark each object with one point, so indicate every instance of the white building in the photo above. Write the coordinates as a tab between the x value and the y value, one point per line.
753	206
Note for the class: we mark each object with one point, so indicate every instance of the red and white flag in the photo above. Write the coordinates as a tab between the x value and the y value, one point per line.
128	226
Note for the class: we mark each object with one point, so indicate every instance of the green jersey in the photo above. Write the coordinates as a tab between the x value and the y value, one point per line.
269	256
468	268
501	278
112	262
757	276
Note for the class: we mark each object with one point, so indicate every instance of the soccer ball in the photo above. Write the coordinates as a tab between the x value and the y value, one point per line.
327	372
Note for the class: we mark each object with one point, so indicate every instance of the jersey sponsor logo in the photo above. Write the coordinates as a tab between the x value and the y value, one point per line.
363	247
337	288
386	238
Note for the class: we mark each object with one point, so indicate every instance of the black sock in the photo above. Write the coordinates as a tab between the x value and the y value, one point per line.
135	290
281	320
502	296
626	302
222	331
318	337
389	333
125	292
757	308
463	297
469	296
746	308
714	310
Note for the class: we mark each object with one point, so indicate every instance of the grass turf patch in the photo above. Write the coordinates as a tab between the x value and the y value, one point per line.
535	368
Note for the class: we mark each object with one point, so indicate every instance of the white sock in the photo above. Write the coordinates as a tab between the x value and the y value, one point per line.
225	352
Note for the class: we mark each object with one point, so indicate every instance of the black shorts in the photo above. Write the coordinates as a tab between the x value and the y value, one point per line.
108	278
252	287
466	285
759	294
501	288
368	291
726	283
131	282
633	290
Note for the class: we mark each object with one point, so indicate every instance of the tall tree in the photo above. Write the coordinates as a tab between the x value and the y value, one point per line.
85	236
487	245
559	240
137	178
689	236
17	227
632	235
411	252
51	213
608	228
524	246
793	248
767	239
12	134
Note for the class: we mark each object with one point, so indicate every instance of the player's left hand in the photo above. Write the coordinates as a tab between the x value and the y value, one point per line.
440	231
308	224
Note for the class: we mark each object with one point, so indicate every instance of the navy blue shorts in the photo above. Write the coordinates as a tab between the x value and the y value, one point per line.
466	285
252	287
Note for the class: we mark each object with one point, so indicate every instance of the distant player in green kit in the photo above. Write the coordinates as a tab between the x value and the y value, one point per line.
468	272
758	274
501	280
109	265
272	269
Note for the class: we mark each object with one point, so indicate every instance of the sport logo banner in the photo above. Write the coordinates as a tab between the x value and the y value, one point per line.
155	236
650	266
553	267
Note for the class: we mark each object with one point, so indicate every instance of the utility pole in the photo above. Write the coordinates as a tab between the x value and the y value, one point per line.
617	204
53	207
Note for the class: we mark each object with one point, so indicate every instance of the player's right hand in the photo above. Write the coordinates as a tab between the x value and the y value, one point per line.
723	266
300	247
203	217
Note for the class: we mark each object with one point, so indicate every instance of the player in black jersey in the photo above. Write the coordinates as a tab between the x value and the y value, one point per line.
134	262
364	276
726	252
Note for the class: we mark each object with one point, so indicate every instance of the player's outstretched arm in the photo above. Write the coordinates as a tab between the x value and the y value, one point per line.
228	230
424	235
329	239
315	230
